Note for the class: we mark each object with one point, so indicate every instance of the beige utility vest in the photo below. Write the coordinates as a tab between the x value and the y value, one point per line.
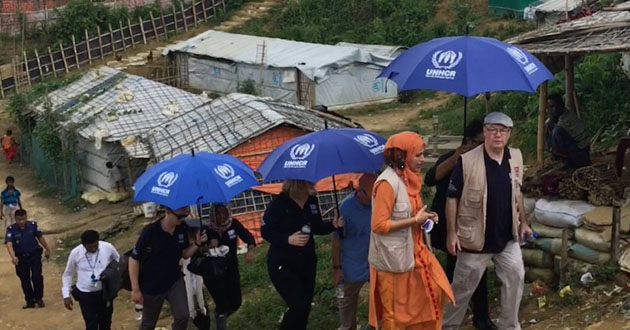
471	210
393	252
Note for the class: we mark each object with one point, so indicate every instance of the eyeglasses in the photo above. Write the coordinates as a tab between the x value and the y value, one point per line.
181	216
495	130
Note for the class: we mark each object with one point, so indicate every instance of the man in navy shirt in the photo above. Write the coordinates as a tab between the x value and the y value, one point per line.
154	268
350	254
24	241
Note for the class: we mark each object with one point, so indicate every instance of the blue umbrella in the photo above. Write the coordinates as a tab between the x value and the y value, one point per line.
191	179
467	66
321	154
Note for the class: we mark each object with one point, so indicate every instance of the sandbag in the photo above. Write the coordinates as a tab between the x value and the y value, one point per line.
602	216
115	197
578	266
599	241
589	255
561	213
550	245
537	258
545	275
530	205
548	231
93	197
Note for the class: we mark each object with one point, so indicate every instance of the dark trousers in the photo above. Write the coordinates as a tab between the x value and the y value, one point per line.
29	270
226	292
178	302
97	313
296	285
479	298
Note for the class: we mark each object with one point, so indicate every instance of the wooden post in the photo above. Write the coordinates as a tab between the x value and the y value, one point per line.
28	71
76	55
157	38
87	45
214	9
111	40
144	37
194	10
100	43
570	82
16	85
205	13
1	86
564	256
542	115
63	56
133	42
181	5
164	29
39	66
616	222
122	35
223	3
175	19
52	62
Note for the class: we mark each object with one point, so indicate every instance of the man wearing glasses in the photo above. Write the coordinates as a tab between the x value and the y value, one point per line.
154	268
486	220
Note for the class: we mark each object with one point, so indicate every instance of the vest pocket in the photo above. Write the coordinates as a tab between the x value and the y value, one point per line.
473	198
392	252
466	228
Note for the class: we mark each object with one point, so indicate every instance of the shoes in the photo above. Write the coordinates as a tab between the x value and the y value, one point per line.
40	304
486	324
220	321
29	305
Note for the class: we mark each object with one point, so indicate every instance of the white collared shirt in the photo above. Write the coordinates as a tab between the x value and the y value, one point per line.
85	264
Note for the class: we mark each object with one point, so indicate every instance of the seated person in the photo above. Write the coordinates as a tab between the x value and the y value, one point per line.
566	135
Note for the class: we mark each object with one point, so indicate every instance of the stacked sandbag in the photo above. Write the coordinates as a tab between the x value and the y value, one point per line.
561	213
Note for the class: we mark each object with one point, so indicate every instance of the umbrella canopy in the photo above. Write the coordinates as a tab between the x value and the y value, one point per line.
191	179
317	155
467	66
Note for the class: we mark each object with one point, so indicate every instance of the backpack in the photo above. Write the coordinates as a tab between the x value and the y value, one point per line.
124	259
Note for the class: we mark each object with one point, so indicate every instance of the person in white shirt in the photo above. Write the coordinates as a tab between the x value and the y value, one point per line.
88	261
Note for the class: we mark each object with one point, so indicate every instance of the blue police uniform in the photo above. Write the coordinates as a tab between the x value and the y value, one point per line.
29	253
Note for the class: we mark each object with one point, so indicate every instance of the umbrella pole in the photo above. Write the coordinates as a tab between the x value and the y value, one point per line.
465	110
340	231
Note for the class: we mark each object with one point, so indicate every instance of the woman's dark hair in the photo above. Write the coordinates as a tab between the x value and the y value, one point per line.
395	158
474	128
9	132
89	237
557	99
9	179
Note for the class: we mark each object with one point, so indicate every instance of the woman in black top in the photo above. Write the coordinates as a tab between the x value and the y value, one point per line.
289	223
226	291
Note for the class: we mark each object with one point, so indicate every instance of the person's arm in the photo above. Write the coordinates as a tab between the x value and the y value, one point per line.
444	168
271	223
336	260
42	241
134	271
66	280
1	207
455	188
14	259
384	199
19	198
523	228
194	243
319	226
244	234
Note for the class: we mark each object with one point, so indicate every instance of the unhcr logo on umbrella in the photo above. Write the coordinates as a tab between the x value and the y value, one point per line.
370	142
164	181
443	64
522	58
226	172
298	154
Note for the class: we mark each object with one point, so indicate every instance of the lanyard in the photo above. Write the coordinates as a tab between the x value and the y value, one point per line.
92	267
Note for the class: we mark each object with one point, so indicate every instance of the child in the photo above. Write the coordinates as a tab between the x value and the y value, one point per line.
116	176
9	146
10	202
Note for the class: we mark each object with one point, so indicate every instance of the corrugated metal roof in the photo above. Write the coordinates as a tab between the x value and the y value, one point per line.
229	121
385	51
560	5
314	60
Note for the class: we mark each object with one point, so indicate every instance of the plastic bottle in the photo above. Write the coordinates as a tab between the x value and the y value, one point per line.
306	229
340	292
529	238
138	308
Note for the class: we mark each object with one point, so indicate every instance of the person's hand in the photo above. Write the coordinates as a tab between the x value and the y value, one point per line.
337	276
452	244
524	231
213	243
298	239
68	303
201	237
423	215
47	254
434	217
136	297
339	222
249	256
15	260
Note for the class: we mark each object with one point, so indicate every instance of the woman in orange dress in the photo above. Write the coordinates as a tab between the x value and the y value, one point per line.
407	283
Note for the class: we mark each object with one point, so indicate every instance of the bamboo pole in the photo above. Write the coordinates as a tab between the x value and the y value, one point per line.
181	5
157	38
214	9
175	19
63	56
194	10
122	35
111	39
52	62
203	8
87	45
542	115
144	37
164	29
16	84
76	55
39	66
1	86
564	257
100	43
616	221
133	42
570	82
28	71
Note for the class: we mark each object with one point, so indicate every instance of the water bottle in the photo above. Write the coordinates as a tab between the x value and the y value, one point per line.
138	309
529	238
306	229
340	292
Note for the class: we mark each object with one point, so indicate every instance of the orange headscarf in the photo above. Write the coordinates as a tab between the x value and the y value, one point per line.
411	143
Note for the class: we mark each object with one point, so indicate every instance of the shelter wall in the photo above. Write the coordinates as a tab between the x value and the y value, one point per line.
94	175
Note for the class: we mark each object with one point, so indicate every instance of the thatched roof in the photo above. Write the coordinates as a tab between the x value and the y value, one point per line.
604	31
